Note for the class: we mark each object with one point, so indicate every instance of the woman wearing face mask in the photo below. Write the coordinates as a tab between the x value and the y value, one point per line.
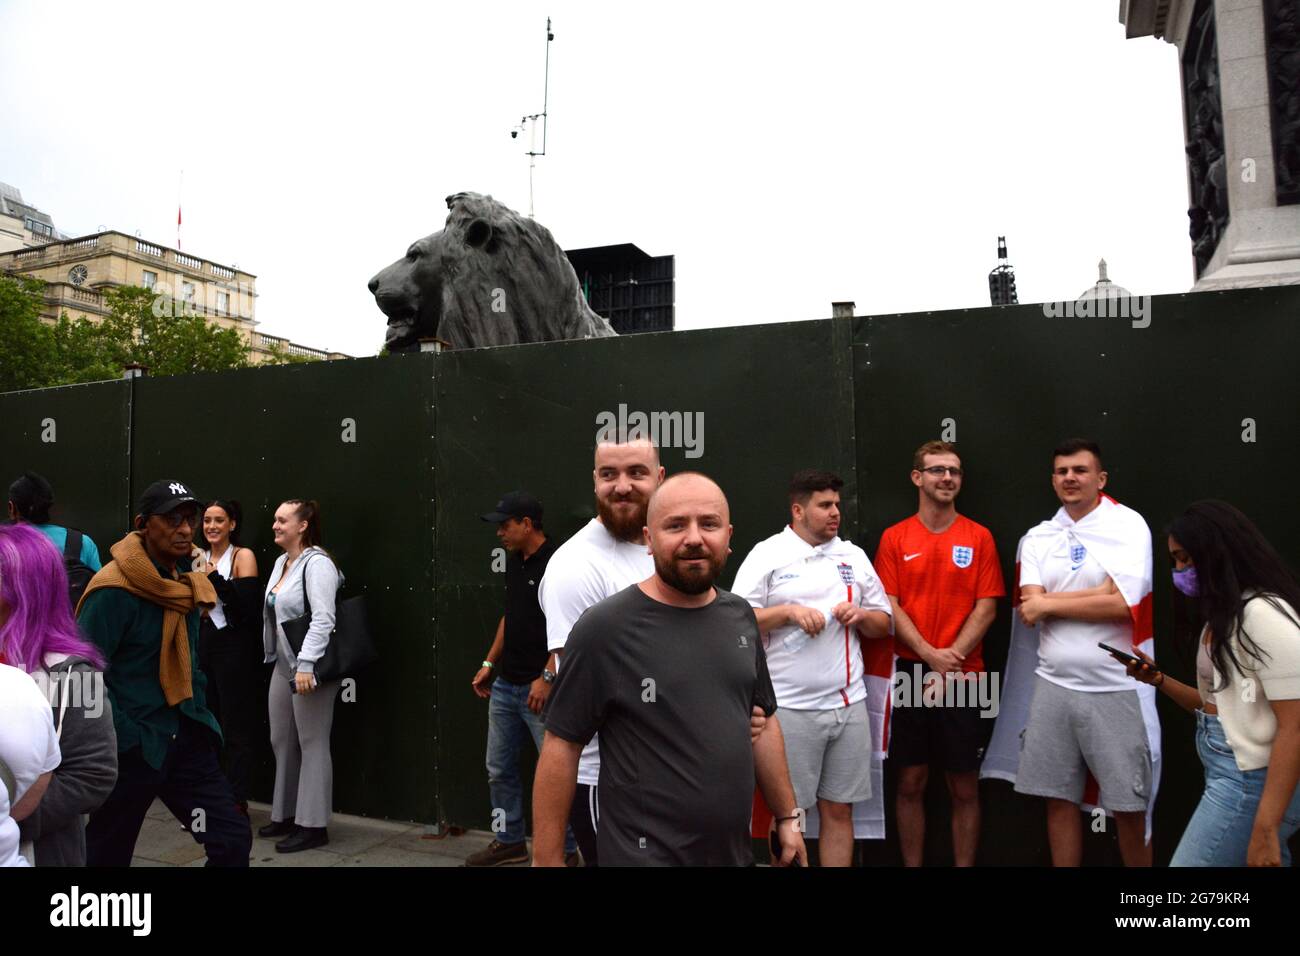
302	711
1247	693
230	641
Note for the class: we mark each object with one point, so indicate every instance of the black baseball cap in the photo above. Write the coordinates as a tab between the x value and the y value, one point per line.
515	504
164	496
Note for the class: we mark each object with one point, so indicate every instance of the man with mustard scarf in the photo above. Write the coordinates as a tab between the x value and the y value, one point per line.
142	610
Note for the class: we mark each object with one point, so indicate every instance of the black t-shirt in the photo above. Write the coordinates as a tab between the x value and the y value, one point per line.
670	691
524	654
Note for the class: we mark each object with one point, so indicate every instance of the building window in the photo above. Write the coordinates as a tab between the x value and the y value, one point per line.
187	292
223	303
150	279
39	228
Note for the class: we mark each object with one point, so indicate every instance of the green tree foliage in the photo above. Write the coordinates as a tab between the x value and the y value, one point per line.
82	352
25	341
165	336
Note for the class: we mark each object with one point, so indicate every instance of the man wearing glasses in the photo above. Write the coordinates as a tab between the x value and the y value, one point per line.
142	610
941	572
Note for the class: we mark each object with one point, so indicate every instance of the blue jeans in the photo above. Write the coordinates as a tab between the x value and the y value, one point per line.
1219	832
509	719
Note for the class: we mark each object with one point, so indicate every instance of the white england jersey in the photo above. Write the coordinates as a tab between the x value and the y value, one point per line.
1061	555
822	671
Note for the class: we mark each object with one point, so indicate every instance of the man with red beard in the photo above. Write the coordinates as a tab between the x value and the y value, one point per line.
667	671
606	556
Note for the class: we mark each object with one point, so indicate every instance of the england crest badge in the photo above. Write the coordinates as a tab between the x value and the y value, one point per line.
1077	553
961	556
846	573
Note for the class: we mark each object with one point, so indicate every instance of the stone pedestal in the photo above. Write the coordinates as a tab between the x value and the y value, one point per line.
1241	95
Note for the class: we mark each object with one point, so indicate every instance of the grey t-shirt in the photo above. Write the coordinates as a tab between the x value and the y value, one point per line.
670	691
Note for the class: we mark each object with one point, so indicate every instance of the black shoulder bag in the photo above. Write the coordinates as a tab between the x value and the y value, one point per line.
350	646
79	575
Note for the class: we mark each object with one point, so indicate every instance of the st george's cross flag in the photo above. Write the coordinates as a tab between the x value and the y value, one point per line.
1118	539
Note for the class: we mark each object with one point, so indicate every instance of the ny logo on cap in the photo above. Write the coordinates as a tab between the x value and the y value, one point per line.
177	488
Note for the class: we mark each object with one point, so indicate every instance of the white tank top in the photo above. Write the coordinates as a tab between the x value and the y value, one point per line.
218	613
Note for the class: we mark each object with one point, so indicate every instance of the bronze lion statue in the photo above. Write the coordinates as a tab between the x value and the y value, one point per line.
489	277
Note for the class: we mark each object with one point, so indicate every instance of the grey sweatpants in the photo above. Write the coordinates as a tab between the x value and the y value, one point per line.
1071	733
300	738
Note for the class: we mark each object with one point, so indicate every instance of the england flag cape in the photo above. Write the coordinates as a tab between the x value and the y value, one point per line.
877	673
1121	543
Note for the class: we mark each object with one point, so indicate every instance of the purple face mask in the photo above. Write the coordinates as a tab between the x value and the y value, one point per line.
1186	581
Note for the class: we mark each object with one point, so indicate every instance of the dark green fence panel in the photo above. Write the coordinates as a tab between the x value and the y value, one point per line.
77	437
1166	402
263	435
526	417
401	507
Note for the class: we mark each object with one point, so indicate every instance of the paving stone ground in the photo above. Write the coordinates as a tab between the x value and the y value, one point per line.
354	841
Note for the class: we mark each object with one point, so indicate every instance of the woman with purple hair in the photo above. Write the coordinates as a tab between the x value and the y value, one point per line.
39	636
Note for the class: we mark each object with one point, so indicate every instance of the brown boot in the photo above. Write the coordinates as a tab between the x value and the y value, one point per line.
497	853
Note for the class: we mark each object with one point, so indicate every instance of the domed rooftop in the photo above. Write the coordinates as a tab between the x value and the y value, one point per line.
1104	289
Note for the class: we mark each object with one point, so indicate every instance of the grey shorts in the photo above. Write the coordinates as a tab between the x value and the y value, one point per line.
829	753
1073	732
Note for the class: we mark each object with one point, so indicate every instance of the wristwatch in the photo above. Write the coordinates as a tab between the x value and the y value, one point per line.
548	676
488	664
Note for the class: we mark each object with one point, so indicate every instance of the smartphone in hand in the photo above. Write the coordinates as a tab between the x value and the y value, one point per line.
1123	656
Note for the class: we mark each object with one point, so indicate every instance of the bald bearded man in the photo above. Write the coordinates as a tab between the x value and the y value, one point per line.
667	672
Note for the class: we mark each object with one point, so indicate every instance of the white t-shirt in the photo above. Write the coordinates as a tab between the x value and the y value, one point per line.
822	672
28	745
586	569
1068	654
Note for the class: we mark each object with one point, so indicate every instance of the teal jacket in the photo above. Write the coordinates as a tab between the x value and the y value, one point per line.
128	629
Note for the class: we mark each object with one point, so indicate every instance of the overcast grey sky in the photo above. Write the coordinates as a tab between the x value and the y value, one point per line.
788	155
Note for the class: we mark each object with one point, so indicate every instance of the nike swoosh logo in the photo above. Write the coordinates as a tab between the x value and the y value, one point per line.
909	557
